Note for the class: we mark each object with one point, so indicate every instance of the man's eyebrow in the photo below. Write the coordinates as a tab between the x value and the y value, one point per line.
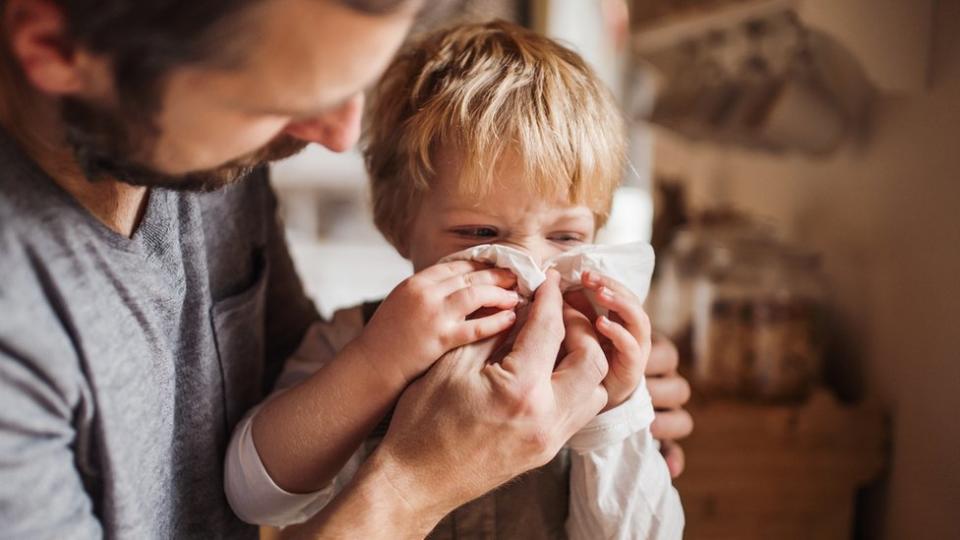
316	110
306	112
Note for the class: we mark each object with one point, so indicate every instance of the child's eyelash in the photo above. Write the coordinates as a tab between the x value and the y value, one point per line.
566	237
477	232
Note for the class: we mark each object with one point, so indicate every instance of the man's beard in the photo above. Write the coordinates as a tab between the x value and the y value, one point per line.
108	145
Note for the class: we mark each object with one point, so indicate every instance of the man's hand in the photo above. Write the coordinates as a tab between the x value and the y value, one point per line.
469	425
426	316
669	392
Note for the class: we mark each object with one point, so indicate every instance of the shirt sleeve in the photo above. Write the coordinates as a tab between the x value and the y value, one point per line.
620	485
251	492
41	492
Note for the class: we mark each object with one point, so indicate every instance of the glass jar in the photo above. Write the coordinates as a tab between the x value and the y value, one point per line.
690	256
757	315
788	332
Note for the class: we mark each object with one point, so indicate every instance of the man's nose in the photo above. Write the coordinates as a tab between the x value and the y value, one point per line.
337	129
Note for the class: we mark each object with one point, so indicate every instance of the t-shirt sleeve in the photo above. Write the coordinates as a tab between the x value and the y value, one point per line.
41	492
288	311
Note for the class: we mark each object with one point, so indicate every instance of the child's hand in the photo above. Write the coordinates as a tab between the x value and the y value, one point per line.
427	315
628	329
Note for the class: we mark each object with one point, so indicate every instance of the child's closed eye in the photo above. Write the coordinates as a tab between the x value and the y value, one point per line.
477	232
567	237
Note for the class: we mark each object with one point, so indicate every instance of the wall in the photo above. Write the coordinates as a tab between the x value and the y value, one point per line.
885	214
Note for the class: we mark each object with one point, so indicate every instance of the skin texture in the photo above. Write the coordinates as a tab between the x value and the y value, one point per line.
303	77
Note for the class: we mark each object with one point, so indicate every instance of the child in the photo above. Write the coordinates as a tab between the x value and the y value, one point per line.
483	134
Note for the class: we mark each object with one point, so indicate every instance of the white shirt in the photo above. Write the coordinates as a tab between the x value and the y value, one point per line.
619	483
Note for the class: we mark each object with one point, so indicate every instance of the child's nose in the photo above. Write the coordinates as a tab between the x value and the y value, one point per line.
537	250
337	129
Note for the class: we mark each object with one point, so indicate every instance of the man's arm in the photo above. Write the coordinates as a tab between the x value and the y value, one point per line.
468	426
41	493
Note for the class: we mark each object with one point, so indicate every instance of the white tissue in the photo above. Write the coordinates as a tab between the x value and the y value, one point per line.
630	264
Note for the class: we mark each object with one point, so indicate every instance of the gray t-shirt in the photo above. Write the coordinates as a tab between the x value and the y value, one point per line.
126	362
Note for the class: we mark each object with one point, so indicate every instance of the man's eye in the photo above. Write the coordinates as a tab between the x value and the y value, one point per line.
477	232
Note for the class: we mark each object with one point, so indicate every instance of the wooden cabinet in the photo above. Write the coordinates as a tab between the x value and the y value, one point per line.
784	472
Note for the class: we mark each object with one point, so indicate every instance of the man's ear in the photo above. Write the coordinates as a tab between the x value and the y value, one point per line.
402	245
38	38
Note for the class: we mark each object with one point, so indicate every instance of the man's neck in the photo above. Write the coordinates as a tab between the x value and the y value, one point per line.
34	122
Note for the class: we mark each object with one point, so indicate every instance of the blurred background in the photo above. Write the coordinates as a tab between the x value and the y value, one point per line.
796	164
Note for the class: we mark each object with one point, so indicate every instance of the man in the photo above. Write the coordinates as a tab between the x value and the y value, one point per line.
147	298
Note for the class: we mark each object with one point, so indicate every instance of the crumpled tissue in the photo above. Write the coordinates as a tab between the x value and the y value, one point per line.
630	264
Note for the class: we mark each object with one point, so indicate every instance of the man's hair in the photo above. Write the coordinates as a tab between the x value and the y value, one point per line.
486	92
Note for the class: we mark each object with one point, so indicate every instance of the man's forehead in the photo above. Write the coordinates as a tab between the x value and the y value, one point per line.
308	55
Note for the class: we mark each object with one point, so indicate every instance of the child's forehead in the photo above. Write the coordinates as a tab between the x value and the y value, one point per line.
504	204
481	178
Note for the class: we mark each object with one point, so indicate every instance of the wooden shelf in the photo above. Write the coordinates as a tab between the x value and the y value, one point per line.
889	40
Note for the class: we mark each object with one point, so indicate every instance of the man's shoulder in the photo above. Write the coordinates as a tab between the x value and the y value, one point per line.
34	344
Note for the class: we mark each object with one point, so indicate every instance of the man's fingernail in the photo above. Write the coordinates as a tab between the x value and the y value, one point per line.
606	293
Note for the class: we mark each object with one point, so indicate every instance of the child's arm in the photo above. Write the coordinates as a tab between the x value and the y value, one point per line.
619	483
304	435
252	493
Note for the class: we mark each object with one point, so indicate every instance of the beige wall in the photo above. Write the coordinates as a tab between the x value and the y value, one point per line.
886	214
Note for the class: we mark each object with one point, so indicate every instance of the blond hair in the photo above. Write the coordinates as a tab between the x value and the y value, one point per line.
487	91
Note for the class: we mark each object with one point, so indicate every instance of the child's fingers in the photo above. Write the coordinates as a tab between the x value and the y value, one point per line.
627	345
469	299
500	277
444	271
478	329
578	300
627	308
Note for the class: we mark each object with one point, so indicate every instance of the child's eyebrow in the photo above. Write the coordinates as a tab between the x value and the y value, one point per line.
578	213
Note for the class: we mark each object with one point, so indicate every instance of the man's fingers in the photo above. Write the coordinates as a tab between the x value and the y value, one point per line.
578	299
664	358
469	357
579	330
671	425
584	355
668	392
577	387
674	456
535	350
466	301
